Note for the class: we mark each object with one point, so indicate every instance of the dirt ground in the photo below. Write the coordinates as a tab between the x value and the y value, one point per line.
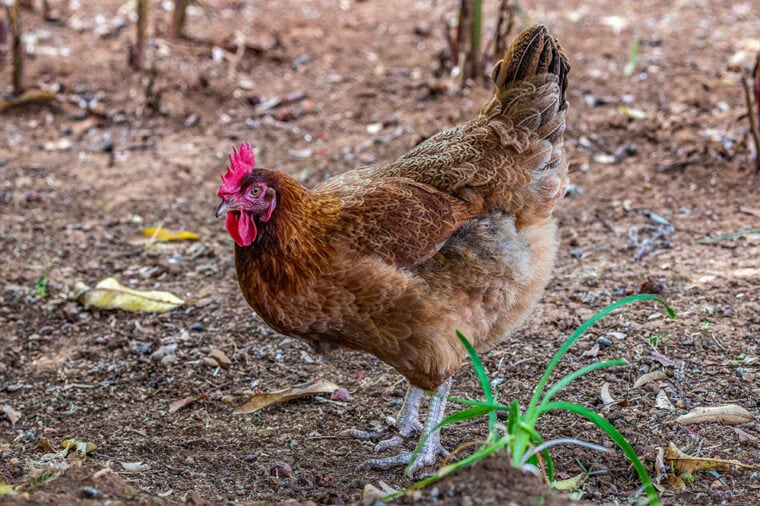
120	150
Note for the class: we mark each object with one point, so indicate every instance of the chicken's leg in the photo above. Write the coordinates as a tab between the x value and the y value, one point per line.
432	446
407	423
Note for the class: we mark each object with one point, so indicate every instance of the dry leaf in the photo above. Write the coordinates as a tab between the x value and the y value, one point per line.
730	413
659	465
682	463
177	405
12	414
164	235
260	401
658	375
6	488
82	447
110	294
134	467
631	112
662	401
592	352
46	446
743	435
606	395
220	358
675	482
570	483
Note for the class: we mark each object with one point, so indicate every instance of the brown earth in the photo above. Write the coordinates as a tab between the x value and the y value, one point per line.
70	210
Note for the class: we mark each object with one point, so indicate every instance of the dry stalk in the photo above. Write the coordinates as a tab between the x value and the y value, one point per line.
137	56
752	100
504	25
17	46
179	16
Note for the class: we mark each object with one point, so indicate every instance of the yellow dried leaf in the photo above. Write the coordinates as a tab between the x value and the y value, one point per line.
6	489
570	483
730	413
631	112
110	294
165	234
46	446
82	447
260	401
675	482
682	463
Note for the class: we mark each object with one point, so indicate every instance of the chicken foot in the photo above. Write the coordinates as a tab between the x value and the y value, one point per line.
408	422
432	446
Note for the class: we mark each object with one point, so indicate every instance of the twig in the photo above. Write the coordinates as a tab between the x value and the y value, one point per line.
753	113
728	237
28	97
17	46
137	58
604	223
504	26
179	16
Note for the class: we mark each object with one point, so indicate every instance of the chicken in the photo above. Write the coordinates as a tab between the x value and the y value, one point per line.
390	259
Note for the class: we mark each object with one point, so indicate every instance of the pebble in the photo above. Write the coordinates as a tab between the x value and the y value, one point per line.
220	357
603	342
281	470
341	394
90	493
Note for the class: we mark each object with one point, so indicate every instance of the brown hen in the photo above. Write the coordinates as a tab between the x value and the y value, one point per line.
391	259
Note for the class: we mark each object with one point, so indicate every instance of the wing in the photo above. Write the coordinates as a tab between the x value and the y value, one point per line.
398	219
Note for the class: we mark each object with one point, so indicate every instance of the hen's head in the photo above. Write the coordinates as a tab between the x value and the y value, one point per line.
246	197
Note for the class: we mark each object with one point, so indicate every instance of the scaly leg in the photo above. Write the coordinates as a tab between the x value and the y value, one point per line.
408	422
432	446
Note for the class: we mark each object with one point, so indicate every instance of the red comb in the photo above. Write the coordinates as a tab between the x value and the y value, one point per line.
241	163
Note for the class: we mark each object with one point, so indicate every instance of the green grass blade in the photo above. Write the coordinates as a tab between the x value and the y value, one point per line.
633	55
577	374
480	371
616	436
464	415
472	402
541	386
538	440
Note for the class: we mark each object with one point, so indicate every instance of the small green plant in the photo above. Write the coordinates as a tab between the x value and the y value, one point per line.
633	55
40	286
521	440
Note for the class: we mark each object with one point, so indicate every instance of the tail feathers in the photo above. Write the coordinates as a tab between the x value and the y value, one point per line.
533	58
531	83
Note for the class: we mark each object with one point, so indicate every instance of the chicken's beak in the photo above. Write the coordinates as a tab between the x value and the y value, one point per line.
223	207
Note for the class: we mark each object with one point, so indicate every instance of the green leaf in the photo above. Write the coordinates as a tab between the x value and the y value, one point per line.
577	374
480	371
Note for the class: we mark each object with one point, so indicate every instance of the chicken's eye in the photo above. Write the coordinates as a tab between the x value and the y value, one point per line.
255	191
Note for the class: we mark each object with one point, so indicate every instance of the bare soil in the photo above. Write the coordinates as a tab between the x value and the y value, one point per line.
121	150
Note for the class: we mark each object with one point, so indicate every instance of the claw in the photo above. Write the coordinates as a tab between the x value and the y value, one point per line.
432	447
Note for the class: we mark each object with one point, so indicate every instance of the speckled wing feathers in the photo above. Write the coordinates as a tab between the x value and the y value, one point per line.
402	221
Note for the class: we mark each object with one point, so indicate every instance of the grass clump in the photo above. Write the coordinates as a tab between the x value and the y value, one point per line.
520	439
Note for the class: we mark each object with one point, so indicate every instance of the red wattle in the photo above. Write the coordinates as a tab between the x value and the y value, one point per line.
242	228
